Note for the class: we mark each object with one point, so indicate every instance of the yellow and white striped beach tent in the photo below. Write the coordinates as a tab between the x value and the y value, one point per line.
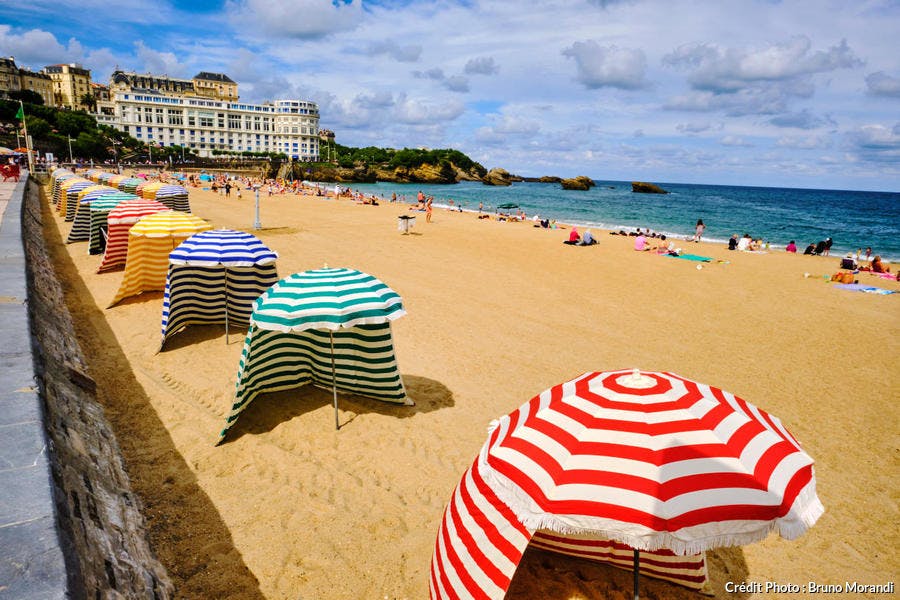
150	241
148	190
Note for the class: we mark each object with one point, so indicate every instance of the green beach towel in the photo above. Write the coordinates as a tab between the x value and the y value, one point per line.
694	257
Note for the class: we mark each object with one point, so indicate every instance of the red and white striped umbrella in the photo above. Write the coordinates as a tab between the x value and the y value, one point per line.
651	460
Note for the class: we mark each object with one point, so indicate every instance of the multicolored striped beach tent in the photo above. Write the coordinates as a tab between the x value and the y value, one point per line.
119	222
129	184
150	241
662	465
173	196
68	196
82	222
99	213
58	176
327	327
148	190
214	277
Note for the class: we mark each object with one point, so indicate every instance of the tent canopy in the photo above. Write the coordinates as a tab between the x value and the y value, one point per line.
119	222
215	277
652	461
150	241
327	327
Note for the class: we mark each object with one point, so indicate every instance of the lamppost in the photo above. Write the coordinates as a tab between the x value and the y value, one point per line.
71	160
256	224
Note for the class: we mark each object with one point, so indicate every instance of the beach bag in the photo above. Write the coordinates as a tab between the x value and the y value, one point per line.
847	278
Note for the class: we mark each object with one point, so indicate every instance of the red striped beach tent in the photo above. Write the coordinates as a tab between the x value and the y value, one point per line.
646	462
81	224
173	196
215	277
150	241
99	215
119	222
327	327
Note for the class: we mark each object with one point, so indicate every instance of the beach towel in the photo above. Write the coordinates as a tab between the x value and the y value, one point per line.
858	287
694	257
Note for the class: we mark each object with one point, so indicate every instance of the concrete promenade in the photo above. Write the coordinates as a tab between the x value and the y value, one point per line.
32	564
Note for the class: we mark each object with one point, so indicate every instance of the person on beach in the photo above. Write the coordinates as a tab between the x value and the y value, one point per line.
877	266
811	249
428	209
733	242
587	239
828	242
698	231
868	253
820	247
640	242
228	189
574	237
791	247
848	262
744	243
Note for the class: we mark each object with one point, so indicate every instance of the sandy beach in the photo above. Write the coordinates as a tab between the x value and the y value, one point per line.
288	508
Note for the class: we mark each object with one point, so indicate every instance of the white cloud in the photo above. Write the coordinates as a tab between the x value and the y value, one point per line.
163	63
483	65
882	84
608	66
407	53
804	142
724	70
37	48
423	112
300	19
735	140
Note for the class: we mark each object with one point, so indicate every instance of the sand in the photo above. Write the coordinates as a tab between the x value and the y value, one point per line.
497	312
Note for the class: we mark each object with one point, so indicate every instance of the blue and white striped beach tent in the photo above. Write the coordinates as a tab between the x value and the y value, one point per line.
327	327
174	196
214	277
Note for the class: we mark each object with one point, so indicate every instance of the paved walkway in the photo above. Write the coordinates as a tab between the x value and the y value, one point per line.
32	565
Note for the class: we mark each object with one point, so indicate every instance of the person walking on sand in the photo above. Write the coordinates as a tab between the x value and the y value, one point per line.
698	231
428	209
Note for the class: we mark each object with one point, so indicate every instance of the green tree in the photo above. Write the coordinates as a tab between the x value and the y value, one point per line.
88	100
27	96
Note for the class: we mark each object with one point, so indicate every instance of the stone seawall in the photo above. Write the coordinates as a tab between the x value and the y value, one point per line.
102	528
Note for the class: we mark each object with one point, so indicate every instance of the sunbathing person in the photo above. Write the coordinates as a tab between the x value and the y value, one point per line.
574	237
878	267
587	239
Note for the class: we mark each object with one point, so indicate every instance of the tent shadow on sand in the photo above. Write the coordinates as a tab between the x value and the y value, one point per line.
559	577
270	410
199	333
185	529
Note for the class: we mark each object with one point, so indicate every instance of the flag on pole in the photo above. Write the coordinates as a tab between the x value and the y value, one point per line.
21	112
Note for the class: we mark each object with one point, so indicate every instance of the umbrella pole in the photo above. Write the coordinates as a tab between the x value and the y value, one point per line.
637	567
337	424
226	306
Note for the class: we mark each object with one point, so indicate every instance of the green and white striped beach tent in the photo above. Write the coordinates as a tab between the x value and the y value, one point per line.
327	327
215	277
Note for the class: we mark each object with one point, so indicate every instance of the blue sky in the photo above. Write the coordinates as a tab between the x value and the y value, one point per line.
799	93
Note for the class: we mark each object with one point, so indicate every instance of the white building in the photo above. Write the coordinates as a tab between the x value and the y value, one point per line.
205	123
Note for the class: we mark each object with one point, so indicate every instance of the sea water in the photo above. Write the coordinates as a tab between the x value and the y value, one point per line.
853	219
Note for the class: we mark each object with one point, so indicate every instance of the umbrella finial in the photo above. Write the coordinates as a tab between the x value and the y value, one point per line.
636	380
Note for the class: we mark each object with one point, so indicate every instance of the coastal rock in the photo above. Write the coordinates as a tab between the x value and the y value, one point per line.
646	188
582	182
497	176
550	179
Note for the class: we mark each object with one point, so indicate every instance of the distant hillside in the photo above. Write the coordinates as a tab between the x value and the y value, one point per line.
408	165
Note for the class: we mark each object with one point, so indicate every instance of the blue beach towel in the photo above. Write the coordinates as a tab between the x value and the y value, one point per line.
858	287
694	257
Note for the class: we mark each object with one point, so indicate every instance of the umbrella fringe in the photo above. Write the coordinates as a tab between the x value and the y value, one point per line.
807	509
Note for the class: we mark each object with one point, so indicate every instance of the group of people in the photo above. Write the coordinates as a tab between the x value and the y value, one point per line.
576	239
747	243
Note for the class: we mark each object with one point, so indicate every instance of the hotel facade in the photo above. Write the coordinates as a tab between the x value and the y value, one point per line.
206	115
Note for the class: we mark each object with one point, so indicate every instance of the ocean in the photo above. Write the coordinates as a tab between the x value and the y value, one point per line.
852	219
